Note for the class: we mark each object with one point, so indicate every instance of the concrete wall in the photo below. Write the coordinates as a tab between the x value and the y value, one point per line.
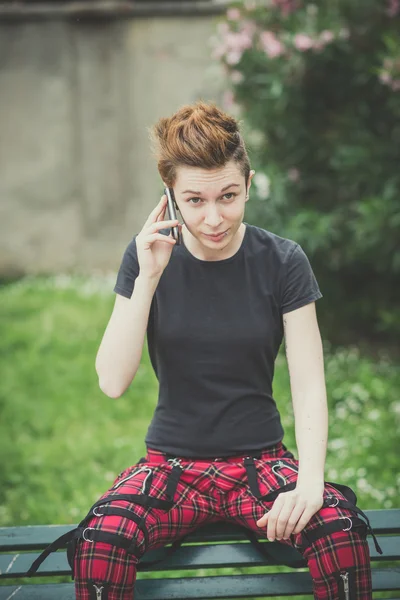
77	179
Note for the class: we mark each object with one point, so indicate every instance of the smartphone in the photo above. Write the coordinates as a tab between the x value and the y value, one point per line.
171	203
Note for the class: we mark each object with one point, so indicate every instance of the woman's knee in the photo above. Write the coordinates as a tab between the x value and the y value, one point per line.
106	557
112	542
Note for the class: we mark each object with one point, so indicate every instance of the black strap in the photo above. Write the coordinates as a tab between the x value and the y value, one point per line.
262	547
252	476
106	510
114	539
344	489
141	499
173	480
318	532
76	533
56	545
333	526
128	514
351	504
357	510
273	495
69	539
168	551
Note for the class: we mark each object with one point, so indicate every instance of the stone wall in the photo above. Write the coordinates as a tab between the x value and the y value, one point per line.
77	179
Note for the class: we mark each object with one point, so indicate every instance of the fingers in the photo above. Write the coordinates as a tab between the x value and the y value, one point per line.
157	237
156	212
263	521
284	517
161	216
303	521
275	519
292	522
155	227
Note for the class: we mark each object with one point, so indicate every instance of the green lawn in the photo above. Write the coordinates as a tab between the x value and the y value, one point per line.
63	442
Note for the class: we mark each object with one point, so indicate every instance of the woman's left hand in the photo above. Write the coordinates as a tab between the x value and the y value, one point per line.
292	510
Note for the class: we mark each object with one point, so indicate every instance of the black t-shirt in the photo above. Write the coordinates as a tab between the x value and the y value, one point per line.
214	330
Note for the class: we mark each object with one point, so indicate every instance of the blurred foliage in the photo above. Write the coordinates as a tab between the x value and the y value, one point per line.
63	442
318	88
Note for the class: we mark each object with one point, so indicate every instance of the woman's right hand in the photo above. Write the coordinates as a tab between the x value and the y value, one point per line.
154	249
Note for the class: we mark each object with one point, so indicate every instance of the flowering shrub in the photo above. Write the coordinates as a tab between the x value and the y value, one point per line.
318	88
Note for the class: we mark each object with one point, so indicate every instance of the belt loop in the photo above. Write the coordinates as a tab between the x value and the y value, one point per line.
251	471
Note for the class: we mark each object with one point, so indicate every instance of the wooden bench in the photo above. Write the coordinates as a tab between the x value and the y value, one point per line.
218	546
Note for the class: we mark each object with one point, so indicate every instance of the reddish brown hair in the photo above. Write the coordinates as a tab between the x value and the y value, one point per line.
197	135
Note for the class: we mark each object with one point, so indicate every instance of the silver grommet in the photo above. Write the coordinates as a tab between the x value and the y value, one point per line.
83	534
333	505
351	524
96	513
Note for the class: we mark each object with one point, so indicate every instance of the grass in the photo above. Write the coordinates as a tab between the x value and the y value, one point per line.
63	441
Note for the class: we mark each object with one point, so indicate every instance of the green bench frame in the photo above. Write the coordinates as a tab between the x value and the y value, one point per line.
214	546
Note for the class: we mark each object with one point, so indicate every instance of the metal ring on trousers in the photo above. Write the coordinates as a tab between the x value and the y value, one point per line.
133	474
333	505
96	513
83	534
351	524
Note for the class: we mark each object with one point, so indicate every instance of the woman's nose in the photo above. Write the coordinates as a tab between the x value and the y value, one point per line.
212	218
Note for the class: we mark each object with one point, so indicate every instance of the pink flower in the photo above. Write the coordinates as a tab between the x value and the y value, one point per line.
326	36
270	44
393	9
218	51
232	44
385	77
285	6
303	42
249	27
245	39
233	57
233	14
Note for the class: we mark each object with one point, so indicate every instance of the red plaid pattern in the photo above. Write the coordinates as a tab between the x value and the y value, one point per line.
207	491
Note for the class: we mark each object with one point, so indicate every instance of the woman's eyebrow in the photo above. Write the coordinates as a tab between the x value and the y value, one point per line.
223	189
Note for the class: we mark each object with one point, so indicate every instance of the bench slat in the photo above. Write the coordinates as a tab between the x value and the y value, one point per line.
242	586
248	586
187	557
35	537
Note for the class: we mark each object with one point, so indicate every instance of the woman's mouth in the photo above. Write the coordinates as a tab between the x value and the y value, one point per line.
218	237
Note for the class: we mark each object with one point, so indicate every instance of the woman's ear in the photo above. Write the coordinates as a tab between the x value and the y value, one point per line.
251	175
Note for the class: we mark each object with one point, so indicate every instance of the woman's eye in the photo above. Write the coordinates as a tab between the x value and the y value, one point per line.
197	201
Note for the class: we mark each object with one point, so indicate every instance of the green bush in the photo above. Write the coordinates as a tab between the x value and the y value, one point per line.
318	88
63	441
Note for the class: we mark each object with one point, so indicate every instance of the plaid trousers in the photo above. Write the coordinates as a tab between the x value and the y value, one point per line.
206	491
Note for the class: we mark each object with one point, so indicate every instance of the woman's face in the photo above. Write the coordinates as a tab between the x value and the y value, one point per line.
211	201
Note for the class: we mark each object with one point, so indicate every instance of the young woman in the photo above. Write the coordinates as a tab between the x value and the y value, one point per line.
215	309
